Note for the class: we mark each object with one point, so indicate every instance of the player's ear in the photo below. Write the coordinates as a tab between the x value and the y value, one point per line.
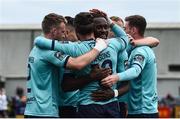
53	31
134	30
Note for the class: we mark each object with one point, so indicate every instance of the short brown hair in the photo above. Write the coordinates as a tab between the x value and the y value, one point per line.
83	23
138	22
51	20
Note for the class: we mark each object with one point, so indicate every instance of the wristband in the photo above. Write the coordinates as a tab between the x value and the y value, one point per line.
116	93
100	44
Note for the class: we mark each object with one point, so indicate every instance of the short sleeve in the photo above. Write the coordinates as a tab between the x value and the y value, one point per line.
138	57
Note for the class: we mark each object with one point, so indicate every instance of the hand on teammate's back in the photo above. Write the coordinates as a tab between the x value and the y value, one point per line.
110	80
98	73
102	94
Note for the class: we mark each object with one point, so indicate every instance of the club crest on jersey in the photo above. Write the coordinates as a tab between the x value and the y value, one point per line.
139	58
59	55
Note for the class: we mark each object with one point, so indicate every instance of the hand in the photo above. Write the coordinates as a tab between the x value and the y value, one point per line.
96	12
98	73
110	80
99	13
102	95
100	44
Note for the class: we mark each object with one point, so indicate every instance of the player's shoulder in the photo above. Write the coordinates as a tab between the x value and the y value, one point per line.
88	43
39	38
139	49
142	50
44	53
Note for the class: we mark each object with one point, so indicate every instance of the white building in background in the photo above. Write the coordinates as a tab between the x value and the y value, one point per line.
16	42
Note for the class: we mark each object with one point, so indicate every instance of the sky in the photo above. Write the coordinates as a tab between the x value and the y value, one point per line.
33	11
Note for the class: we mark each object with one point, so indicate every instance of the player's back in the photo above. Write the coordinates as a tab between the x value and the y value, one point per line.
75	49
41	85
107	58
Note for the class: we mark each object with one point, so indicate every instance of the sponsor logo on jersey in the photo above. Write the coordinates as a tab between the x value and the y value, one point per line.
31	99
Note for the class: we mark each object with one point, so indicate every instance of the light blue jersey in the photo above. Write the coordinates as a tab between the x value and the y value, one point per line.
119	32
143	85
42	83
122	65
107	57
68	98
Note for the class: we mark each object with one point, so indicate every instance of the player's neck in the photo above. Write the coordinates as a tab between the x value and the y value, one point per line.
138	37
48	36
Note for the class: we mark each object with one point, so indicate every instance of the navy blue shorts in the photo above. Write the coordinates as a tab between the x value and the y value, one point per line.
31	116
152	115
123	109
67	112
110	110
